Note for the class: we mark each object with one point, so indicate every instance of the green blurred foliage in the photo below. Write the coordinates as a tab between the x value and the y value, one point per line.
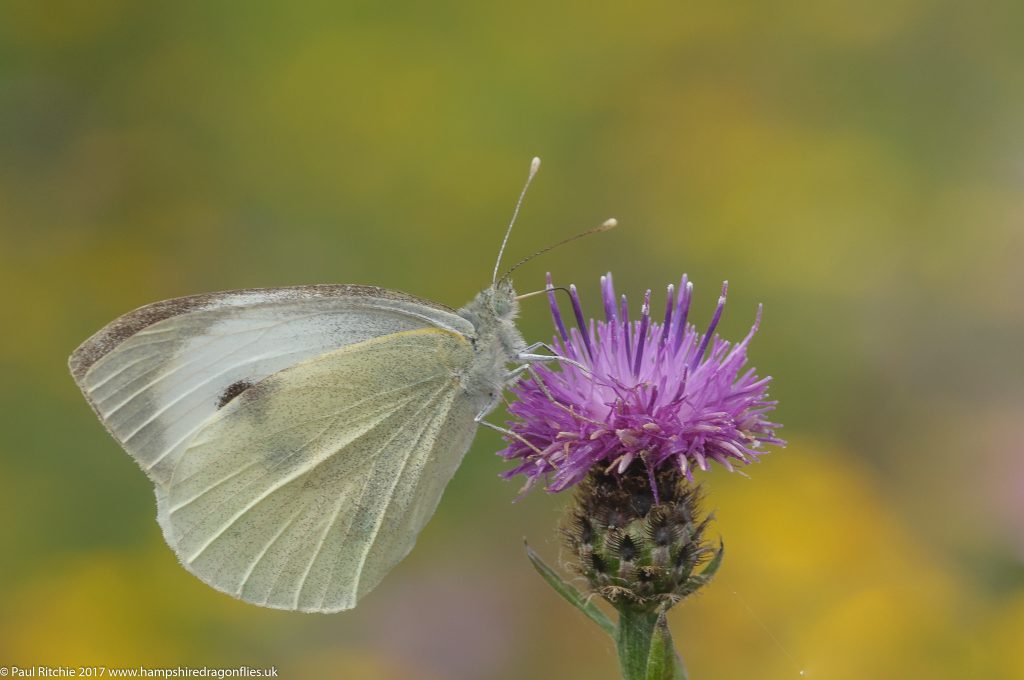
856	167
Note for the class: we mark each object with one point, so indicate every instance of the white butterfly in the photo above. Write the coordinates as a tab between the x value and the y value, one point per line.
300	438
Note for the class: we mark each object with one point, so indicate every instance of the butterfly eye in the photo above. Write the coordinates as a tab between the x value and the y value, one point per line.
503	300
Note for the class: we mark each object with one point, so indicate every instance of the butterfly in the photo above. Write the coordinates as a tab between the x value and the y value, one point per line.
299	439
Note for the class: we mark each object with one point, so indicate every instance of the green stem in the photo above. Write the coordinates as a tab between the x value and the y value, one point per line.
664	662
633	639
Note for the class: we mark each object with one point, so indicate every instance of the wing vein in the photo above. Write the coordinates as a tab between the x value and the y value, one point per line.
212	338
390	500
152	383
334	418
93	388
252	360
358	503
266	548
320	545
200	425
348	529
268	492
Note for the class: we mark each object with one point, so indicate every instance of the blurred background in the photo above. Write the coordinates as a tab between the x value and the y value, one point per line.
856	168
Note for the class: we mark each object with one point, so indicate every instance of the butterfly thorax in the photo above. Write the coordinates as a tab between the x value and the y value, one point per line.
496	342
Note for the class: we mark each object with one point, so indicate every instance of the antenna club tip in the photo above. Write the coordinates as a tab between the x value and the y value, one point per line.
610	223
535	164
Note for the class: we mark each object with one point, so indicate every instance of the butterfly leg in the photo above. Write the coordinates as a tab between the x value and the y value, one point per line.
540	358
498	428
547	393
526	354
523	356
540	345
517	371
507	432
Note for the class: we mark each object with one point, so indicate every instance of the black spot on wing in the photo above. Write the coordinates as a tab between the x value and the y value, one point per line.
232	391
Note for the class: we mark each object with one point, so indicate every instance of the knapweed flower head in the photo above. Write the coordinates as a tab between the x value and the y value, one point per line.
639	392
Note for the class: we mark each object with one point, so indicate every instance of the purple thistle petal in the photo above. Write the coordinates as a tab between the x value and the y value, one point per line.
555	313
626	341
699	354
683	306
645	320
580	323
630	406
608	295
668	313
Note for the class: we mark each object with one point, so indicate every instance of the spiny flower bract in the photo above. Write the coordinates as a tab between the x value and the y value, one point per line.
633	551
657	394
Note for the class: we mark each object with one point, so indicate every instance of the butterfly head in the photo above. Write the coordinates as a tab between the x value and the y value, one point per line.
503	301
494	306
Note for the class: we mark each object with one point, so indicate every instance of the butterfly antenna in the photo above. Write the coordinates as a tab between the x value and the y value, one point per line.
534	167
604	226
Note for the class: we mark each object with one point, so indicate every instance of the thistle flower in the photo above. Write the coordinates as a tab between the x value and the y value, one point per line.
634	407
662	394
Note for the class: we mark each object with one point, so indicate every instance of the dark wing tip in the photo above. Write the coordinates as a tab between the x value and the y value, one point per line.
123	327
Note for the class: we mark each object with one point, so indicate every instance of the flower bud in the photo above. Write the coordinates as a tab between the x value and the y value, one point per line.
637	544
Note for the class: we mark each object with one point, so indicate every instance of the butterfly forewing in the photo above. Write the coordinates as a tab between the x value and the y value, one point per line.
156	375
307	488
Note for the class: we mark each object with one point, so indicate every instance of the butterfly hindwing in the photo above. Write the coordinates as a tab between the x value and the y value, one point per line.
303	491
